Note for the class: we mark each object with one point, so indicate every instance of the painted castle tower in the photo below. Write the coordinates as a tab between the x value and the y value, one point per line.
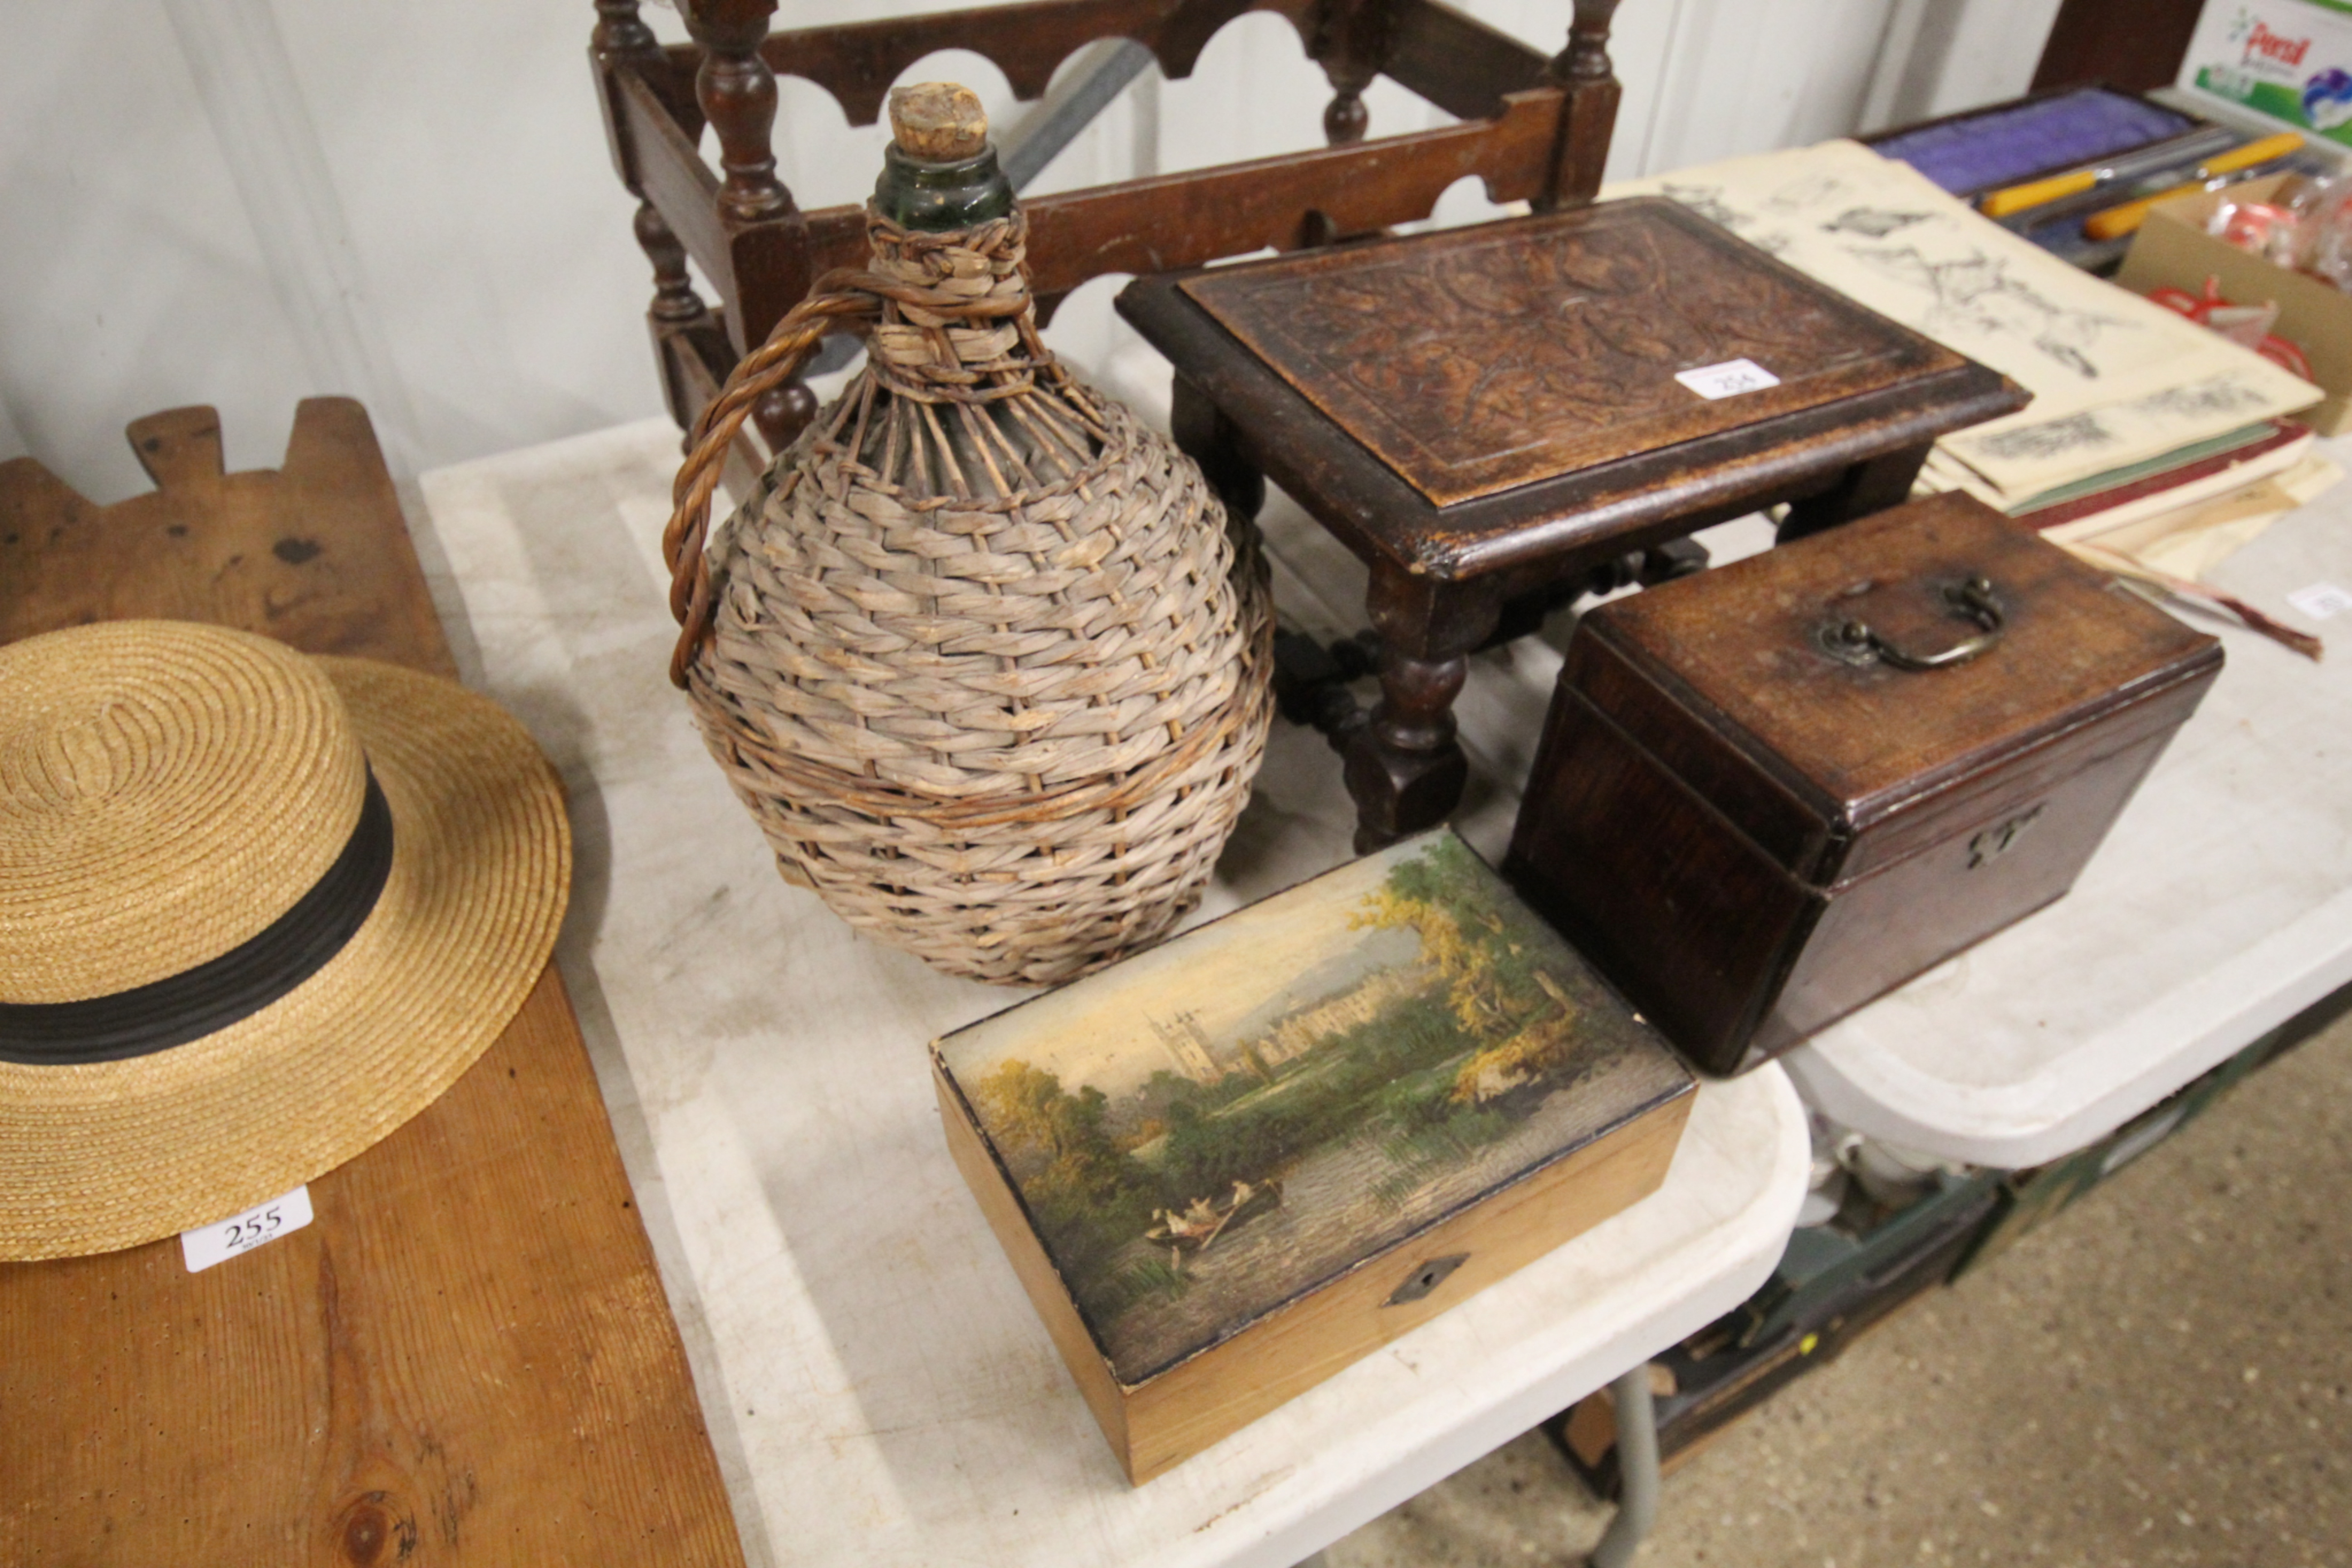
1188	1043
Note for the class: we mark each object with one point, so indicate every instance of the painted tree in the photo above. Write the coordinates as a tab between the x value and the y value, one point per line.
1089	1194
1487	950
1027	1108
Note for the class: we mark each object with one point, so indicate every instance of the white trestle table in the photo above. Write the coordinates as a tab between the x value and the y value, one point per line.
2218	908
879	1388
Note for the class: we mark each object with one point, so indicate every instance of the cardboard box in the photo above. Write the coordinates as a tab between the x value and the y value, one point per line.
2173	250
1228	1167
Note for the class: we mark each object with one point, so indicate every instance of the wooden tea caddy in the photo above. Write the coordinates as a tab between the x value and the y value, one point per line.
1770	793
1229	1166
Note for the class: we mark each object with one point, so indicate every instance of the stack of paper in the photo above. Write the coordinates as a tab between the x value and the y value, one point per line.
2142	421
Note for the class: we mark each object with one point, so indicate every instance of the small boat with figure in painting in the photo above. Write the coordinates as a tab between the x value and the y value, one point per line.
1204	1219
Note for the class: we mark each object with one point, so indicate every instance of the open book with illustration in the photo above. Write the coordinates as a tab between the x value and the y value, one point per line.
2116	380
2153	447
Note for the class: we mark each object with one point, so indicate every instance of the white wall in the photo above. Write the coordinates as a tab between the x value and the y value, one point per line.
245	202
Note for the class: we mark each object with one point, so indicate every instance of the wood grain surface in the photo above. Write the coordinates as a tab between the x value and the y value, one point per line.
1562	521
1752	837
1743	647
1478	360
466	1357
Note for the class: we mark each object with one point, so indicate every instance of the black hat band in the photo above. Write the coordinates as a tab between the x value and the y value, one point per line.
220	990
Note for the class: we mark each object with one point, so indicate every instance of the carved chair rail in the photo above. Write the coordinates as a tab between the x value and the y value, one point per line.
1532	128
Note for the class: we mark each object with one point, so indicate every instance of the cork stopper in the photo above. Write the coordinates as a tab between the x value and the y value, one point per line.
938	122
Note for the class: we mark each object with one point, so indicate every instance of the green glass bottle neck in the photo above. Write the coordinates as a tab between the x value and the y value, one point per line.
936	197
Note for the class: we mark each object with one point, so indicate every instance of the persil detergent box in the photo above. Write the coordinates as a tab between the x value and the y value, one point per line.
2290	60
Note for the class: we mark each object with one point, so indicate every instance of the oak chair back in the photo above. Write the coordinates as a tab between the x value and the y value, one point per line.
1533	128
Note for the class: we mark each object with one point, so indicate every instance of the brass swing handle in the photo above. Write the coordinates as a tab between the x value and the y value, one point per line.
1971	599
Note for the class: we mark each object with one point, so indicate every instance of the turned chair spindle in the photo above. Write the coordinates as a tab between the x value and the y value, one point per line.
736	93
1350	40
1584	71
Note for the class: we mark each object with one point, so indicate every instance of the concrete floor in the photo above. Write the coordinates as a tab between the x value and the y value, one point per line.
2160	1375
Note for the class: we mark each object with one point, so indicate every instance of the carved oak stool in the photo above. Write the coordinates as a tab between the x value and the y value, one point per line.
1487	415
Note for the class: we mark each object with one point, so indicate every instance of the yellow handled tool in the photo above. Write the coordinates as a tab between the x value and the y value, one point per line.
2113	223
2123	169
2017	199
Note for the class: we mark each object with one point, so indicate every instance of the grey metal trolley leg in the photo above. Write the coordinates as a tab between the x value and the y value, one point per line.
1637	1468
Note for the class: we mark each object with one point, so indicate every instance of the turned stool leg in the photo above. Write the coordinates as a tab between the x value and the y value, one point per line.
1405	770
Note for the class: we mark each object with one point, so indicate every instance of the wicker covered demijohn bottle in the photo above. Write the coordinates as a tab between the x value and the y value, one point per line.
981	652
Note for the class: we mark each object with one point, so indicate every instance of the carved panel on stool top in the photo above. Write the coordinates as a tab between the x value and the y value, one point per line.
1474	361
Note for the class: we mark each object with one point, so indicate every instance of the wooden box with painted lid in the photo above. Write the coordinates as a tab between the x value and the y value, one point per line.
1227	1167
1770	793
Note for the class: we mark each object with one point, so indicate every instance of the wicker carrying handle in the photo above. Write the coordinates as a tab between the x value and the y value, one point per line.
838	297
859	297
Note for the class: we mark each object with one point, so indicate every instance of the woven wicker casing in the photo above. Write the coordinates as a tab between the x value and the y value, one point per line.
985	658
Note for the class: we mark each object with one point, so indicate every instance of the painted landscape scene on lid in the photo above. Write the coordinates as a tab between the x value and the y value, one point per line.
1214	1126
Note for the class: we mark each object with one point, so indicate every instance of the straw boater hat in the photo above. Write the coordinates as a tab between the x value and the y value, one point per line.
256	912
